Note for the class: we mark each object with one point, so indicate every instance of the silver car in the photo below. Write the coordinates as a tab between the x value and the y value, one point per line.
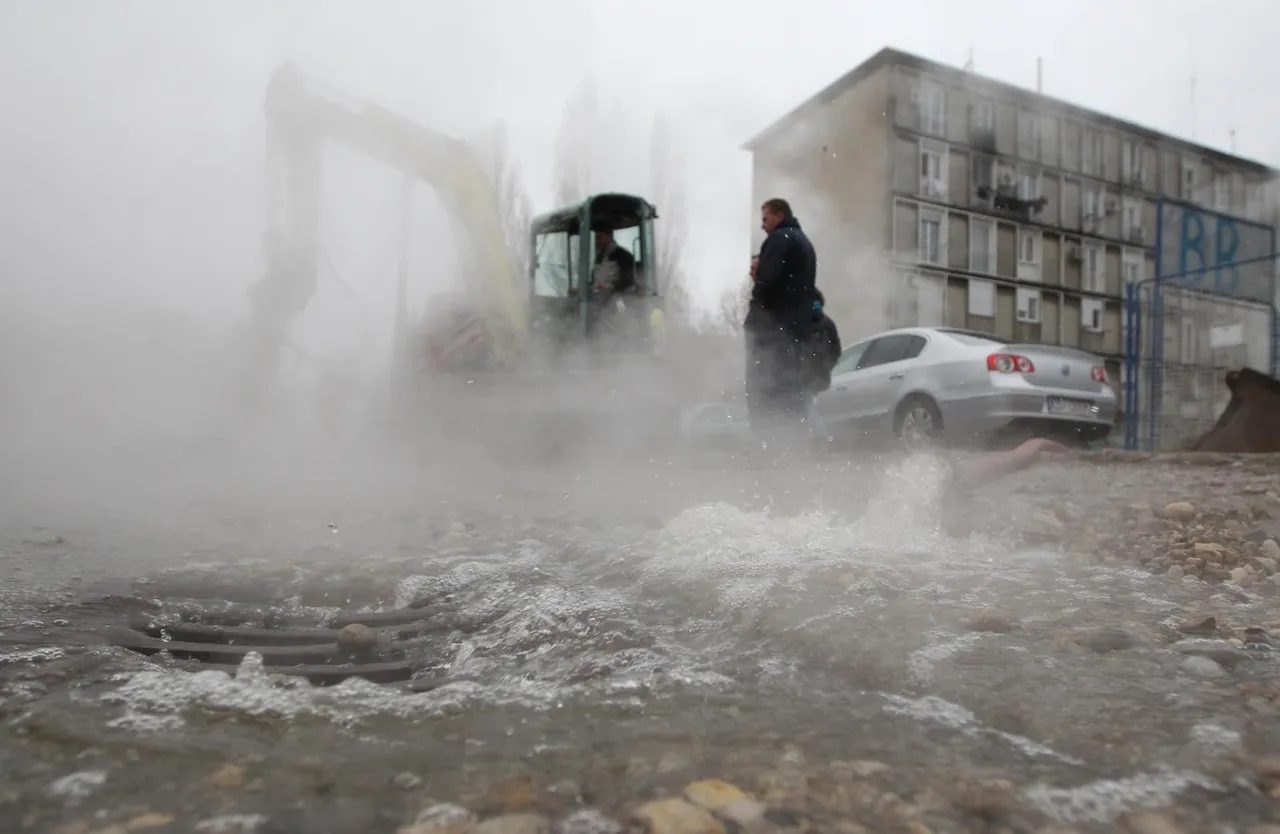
929	383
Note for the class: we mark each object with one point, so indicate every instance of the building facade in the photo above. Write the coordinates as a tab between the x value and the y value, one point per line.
939	197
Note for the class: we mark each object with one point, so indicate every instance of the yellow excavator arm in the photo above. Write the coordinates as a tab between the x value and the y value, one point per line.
302	115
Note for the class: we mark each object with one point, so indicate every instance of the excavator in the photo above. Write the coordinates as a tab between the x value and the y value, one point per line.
547	343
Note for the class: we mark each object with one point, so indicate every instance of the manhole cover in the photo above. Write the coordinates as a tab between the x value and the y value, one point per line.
404	646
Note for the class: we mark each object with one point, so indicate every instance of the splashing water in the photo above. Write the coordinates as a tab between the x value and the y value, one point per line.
727	615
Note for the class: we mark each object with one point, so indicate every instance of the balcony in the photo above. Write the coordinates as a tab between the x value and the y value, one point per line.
1004	199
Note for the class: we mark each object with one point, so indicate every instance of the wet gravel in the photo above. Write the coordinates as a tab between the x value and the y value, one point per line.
834	640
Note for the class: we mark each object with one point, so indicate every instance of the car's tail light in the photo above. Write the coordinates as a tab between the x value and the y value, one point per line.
1008	363
1098	373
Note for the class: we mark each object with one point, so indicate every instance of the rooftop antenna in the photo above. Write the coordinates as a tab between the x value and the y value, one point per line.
969	64
1193	106
1193	93
1039	75
1231	104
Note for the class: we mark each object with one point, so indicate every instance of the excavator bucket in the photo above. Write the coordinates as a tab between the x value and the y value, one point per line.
1251	422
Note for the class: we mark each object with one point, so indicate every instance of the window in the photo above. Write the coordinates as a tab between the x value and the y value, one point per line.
982	245
931	99
1028	305
892	349
1028	184
1091	314
983	115
1190	347
1132	266
982	298
1188	191
849	358
552	264
930	237
933	173
1028	134
928	301
983	172
1091	208
1253	200
1131	161
1132	220
1006	179
1091	153
1092	280
1029	246
902	307
1221	193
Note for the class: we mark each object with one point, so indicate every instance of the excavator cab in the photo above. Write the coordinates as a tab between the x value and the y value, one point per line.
567	306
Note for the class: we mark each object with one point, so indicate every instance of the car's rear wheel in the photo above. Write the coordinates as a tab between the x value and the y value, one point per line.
918	424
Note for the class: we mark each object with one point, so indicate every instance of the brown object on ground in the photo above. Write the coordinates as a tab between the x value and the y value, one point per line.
1251	423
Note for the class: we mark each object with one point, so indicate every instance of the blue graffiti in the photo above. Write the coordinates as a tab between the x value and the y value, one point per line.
1195	264
1227	244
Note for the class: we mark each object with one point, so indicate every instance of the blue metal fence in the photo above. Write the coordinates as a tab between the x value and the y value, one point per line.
1210	273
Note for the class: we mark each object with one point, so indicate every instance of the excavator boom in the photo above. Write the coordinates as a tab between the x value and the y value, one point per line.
303	115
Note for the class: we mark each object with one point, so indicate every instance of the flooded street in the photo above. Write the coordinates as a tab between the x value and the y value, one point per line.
595	639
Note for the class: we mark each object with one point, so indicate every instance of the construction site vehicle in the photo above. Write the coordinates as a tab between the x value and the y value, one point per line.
549	334
566	308
590	373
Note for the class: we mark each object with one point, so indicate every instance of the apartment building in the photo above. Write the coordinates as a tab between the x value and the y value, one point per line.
936	196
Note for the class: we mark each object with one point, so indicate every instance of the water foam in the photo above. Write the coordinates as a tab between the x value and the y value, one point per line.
157	700
76	786
935	710
1103	800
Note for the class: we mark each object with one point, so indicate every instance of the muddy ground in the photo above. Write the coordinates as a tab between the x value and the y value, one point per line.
1085	646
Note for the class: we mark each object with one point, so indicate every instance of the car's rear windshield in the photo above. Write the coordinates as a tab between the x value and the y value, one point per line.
966	337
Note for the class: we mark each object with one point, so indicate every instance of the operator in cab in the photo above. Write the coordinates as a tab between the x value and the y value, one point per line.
615	268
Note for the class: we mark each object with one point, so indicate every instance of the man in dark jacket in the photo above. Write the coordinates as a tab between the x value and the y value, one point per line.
778	321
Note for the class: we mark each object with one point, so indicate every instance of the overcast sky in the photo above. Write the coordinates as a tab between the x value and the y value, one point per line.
132	150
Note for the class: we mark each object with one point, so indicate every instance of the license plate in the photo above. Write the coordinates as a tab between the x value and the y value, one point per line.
1061	405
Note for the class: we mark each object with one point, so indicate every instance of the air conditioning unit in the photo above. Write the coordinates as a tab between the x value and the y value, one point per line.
1136	234
1113	205
1075	254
